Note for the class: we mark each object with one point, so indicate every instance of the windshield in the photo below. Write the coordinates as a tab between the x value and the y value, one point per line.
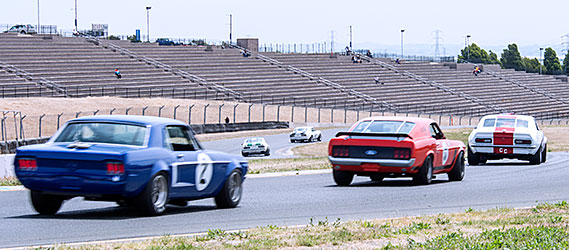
100	132
253	140
299	129
384	127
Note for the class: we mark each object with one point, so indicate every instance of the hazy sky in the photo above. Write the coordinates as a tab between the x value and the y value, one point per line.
490	23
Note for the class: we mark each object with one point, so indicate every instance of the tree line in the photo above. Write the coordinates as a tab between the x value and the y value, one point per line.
512	59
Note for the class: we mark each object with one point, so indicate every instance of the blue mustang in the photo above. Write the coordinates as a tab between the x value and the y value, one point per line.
139	161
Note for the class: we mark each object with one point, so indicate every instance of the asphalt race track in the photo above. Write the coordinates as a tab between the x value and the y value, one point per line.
280	144
292	200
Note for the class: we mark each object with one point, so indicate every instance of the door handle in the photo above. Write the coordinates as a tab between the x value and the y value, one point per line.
180	156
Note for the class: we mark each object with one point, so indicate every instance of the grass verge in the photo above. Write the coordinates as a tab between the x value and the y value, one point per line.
9	181
545	226
258	166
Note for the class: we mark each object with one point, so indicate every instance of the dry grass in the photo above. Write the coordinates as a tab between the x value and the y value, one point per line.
257	166
319	149
544	226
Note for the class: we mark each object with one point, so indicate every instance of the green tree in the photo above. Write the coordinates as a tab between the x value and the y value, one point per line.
474	54
551	62
511	58
566	63
493	58
531	65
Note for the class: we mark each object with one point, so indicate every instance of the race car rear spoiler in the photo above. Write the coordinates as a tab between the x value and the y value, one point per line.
373	134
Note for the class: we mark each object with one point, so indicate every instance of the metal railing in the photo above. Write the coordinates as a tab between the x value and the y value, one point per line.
30	77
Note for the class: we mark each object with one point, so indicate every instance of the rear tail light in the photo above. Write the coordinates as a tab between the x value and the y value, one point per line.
401	153
484	140
518	141
340	151
115	168
27	164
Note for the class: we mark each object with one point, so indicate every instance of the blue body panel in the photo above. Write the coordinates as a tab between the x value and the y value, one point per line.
83	171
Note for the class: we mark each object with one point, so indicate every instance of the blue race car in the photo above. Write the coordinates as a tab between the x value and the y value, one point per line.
137	161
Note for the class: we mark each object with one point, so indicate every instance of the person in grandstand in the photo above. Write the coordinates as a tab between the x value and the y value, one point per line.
118	73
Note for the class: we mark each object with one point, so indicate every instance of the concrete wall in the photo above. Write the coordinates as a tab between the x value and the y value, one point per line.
251	44
234	127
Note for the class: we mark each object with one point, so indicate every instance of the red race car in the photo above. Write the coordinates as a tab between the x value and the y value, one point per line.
381	147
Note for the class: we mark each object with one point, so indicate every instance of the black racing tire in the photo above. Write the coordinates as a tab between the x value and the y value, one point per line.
473	159
425	174
153	199
292	141
230	194
544	154
311	139
268	152
457	171
125	203
377	178
46	204
342	178
535	159
319	138
244	154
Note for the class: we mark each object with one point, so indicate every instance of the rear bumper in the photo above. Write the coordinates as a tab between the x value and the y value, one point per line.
76	186
299	138
381	162
529	150
254	151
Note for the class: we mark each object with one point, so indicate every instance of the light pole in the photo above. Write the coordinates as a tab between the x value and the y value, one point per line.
402	43
540	50
230	28
148	23
76	30
468	47
351	49
38	29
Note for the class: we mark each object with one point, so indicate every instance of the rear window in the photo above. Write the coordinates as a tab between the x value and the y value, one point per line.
254	140
489	122
505	122
99	132
384	127
522	123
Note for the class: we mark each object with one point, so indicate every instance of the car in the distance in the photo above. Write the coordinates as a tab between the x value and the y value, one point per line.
255	145
136	161
22	29
381	147
306	134
507	136
166	41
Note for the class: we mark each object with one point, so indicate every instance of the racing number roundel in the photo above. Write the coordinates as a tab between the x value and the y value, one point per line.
445	153
204	171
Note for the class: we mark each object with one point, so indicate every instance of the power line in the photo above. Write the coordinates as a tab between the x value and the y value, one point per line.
564	43
438	41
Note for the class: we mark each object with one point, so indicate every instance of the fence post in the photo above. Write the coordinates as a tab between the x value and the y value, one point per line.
234	111
249	113
95	112
22	134
160	111
264	105
332	114
175	110
58	116
292	113
190	113
144	109
345	114
112	110
305	114
319	107
440	117
278	112
470	121
77	114
127	109
219	112
39	129
205	113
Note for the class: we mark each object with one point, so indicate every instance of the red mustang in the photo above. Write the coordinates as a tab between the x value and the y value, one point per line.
381	147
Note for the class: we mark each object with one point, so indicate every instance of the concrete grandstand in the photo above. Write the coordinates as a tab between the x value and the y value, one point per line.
33	66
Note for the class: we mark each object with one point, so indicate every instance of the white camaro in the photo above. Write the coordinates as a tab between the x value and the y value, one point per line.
306	134
507	136
255	145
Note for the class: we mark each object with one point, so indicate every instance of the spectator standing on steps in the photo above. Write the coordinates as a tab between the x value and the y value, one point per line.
118	73
226	120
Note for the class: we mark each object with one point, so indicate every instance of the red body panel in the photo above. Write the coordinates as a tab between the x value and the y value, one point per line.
504	136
